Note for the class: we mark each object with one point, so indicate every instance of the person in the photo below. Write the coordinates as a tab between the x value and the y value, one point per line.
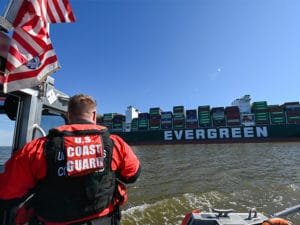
74	175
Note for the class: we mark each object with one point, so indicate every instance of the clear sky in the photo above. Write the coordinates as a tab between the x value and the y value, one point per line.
150	53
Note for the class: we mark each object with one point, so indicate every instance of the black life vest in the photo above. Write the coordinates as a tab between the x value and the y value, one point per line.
66	195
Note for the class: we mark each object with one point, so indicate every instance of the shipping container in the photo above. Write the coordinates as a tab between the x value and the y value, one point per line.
155	118
277	114
232	110
118	122
291	106
155	111
178	117
261	116
261	105
178	109
191	119
204	116
135	124
166	115
108	116
108	120
217	112
233	116
293	114
218	116
155	122
166	120
278	120
264	123
178	123
143	121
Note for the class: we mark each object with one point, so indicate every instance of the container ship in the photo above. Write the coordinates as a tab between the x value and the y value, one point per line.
240	122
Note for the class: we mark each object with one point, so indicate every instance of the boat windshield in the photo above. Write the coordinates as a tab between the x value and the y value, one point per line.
50	118
6	134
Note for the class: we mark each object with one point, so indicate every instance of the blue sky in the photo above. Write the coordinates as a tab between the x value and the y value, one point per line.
149	53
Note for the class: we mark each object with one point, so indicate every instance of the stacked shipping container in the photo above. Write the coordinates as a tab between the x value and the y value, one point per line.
179	118
261	114
143	121
166	120
218	116
108	120
204	118
135	124
277	115
233	116
191	119
118	122
155	118
292	110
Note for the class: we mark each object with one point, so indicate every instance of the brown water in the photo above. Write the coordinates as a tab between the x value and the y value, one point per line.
176	179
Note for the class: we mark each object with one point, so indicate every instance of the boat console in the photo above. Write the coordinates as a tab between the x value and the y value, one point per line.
224	217
25	115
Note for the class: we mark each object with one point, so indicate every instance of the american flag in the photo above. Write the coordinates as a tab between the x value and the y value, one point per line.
33	72
31	57
4	43
51	11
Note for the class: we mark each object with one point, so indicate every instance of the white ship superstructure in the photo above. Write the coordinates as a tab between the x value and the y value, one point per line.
130	114
247	118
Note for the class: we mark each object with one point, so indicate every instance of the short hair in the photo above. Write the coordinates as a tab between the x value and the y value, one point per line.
80	104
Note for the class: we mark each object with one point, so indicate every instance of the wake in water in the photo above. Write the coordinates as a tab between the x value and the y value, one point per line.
167	211
239	176
171	211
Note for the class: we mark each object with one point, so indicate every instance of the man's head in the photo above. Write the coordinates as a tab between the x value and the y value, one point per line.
82	108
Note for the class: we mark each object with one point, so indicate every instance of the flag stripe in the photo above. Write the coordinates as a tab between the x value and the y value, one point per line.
18	59
27	82
24	77
37	28
28	43
69	10
32	73
22	11
31	56
59	9
25	45
41	8
56	12
63	11
51	13
20	50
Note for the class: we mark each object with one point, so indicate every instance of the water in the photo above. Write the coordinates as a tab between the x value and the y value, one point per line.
179	178
4	154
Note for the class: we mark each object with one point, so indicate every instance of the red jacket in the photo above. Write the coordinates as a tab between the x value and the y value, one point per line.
28	165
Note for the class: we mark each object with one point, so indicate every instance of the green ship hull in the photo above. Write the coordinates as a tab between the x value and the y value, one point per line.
239	134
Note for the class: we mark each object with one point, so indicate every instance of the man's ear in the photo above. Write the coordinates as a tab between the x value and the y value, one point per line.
95	117
68	117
